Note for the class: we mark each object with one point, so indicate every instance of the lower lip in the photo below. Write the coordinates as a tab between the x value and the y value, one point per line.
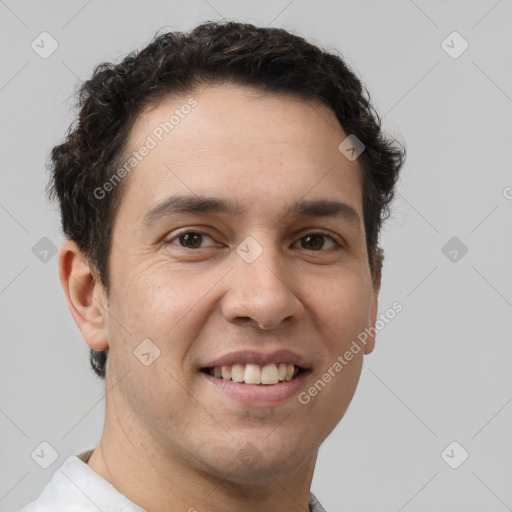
259	394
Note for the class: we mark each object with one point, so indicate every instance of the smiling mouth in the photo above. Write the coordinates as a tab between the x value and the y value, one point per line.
269	374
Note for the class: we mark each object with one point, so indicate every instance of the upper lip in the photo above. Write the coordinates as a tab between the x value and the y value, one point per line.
260	358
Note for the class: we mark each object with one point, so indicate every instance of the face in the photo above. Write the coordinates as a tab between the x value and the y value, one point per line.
273	268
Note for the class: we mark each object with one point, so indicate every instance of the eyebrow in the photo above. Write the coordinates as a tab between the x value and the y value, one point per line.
175	205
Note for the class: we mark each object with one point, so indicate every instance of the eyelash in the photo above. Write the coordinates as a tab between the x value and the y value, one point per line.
321	233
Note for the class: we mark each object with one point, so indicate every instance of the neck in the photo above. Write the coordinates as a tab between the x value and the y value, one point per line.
153	477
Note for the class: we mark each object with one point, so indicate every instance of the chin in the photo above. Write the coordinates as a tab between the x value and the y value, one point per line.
260	462
262	473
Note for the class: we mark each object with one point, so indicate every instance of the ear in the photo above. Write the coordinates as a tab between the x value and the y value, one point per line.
86	297
372	319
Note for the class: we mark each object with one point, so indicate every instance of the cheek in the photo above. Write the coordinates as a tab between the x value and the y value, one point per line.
165	305
343	305
157	300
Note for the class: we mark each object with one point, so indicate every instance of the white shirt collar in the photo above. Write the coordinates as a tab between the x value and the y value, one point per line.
75	487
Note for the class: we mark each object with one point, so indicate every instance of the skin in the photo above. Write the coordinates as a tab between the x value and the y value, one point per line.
169	436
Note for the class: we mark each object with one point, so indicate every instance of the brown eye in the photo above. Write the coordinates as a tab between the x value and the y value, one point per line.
189	240
316	241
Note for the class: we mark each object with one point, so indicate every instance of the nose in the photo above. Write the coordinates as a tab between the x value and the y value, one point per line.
262	293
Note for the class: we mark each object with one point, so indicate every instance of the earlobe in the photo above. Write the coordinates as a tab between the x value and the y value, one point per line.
85	296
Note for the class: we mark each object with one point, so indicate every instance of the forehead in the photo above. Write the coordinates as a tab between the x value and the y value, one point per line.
230	111
240	142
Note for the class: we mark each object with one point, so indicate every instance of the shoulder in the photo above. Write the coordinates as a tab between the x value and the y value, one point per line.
75	487
63	489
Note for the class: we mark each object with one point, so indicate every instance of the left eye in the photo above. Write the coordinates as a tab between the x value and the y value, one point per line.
316	240
311	241
191	239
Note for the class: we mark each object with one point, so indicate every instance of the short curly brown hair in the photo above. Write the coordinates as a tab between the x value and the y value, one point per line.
270	59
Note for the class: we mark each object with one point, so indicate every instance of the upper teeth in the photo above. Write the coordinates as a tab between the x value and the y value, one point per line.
255	374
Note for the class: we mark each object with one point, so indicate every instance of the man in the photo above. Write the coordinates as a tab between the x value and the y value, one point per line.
222	195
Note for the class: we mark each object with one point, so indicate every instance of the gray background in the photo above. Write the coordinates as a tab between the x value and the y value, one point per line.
441	368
